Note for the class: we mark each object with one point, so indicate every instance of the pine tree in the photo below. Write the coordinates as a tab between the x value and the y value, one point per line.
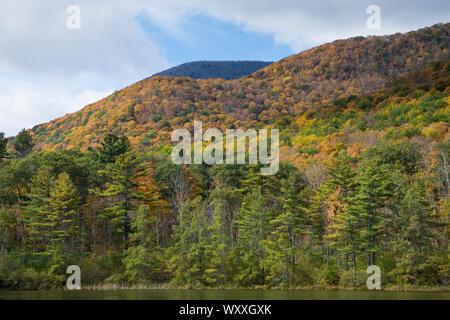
344	177
8	221
123	190
113	146
52	213
35	215
373	185
253	226
23	144
416	208
220	244
62	212
3	147
289	228
190	254
332	224
345	231
227	194
318	217
144	261
416	261
341	223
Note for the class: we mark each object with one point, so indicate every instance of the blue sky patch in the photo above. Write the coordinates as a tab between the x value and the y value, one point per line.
206	38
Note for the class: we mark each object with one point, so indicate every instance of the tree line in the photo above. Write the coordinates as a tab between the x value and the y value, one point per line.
128	217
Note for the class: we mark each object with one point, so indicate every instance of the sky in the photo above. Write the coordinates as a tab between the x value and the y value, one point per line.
56	58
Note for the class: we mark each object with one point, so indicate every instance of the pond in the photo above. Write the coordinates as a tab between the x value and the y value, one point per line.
162	294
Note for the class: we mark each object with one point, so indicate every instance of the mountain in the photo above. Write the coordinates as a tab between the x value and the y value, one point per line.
324	76
226	70
363	179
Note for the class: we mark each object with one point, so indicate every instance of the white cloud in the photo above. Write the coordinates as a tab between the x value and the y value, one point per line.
303	24
25	102
48	70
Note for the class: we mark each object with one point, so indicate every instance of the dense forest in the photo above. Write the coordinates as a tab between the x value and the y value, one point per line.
226	70
148	111
364	179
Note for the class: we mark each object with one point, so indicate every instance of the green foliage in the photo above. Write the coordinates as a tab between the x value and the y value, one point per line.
405	154
23	144
370	194
122	185
368	184
112	147
222	225
190	257
289	227
13	275
51	215
3	147
156	118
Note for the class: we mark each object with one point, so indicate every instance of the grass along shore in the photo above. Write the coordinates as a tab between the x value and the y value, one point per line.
144	286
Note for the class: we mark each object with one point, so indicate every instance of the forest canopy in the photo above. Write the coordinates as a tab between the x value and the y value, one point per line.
364	178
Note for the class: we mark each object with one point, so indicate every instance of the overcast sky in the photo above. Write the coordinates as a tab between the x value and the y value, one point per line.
48	70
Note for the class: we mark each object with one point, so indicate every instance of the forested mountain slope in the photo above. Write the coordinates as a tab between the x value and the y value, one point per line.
371	187
364	179
214	69
308	80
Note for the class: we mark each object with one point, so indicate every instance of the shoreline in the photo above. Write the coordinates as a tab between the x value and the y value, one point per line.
144	287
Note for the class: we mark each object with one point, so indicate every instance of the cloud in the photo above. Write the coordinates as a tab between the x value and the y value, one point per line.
303	24
34	38
47	70
24	102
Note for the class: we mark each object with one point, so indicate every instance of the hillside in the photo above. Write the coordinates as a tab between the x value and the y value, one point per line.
226	70
363	179
292	86
372	171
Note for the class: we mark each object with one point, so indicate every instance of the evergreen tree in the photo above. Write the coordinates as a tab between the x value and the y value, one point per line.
366	203
221	239
253	226
414	252
113	146
144	260
420	220
8	222
123	190
190	260
52	213
342	224
317	212
23	144
35	216
343	177
3	147
289	229
333	226
62	213
345	231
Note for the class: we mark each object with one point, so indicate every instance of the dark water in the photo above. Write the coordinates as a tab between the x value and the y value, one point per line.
220	295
